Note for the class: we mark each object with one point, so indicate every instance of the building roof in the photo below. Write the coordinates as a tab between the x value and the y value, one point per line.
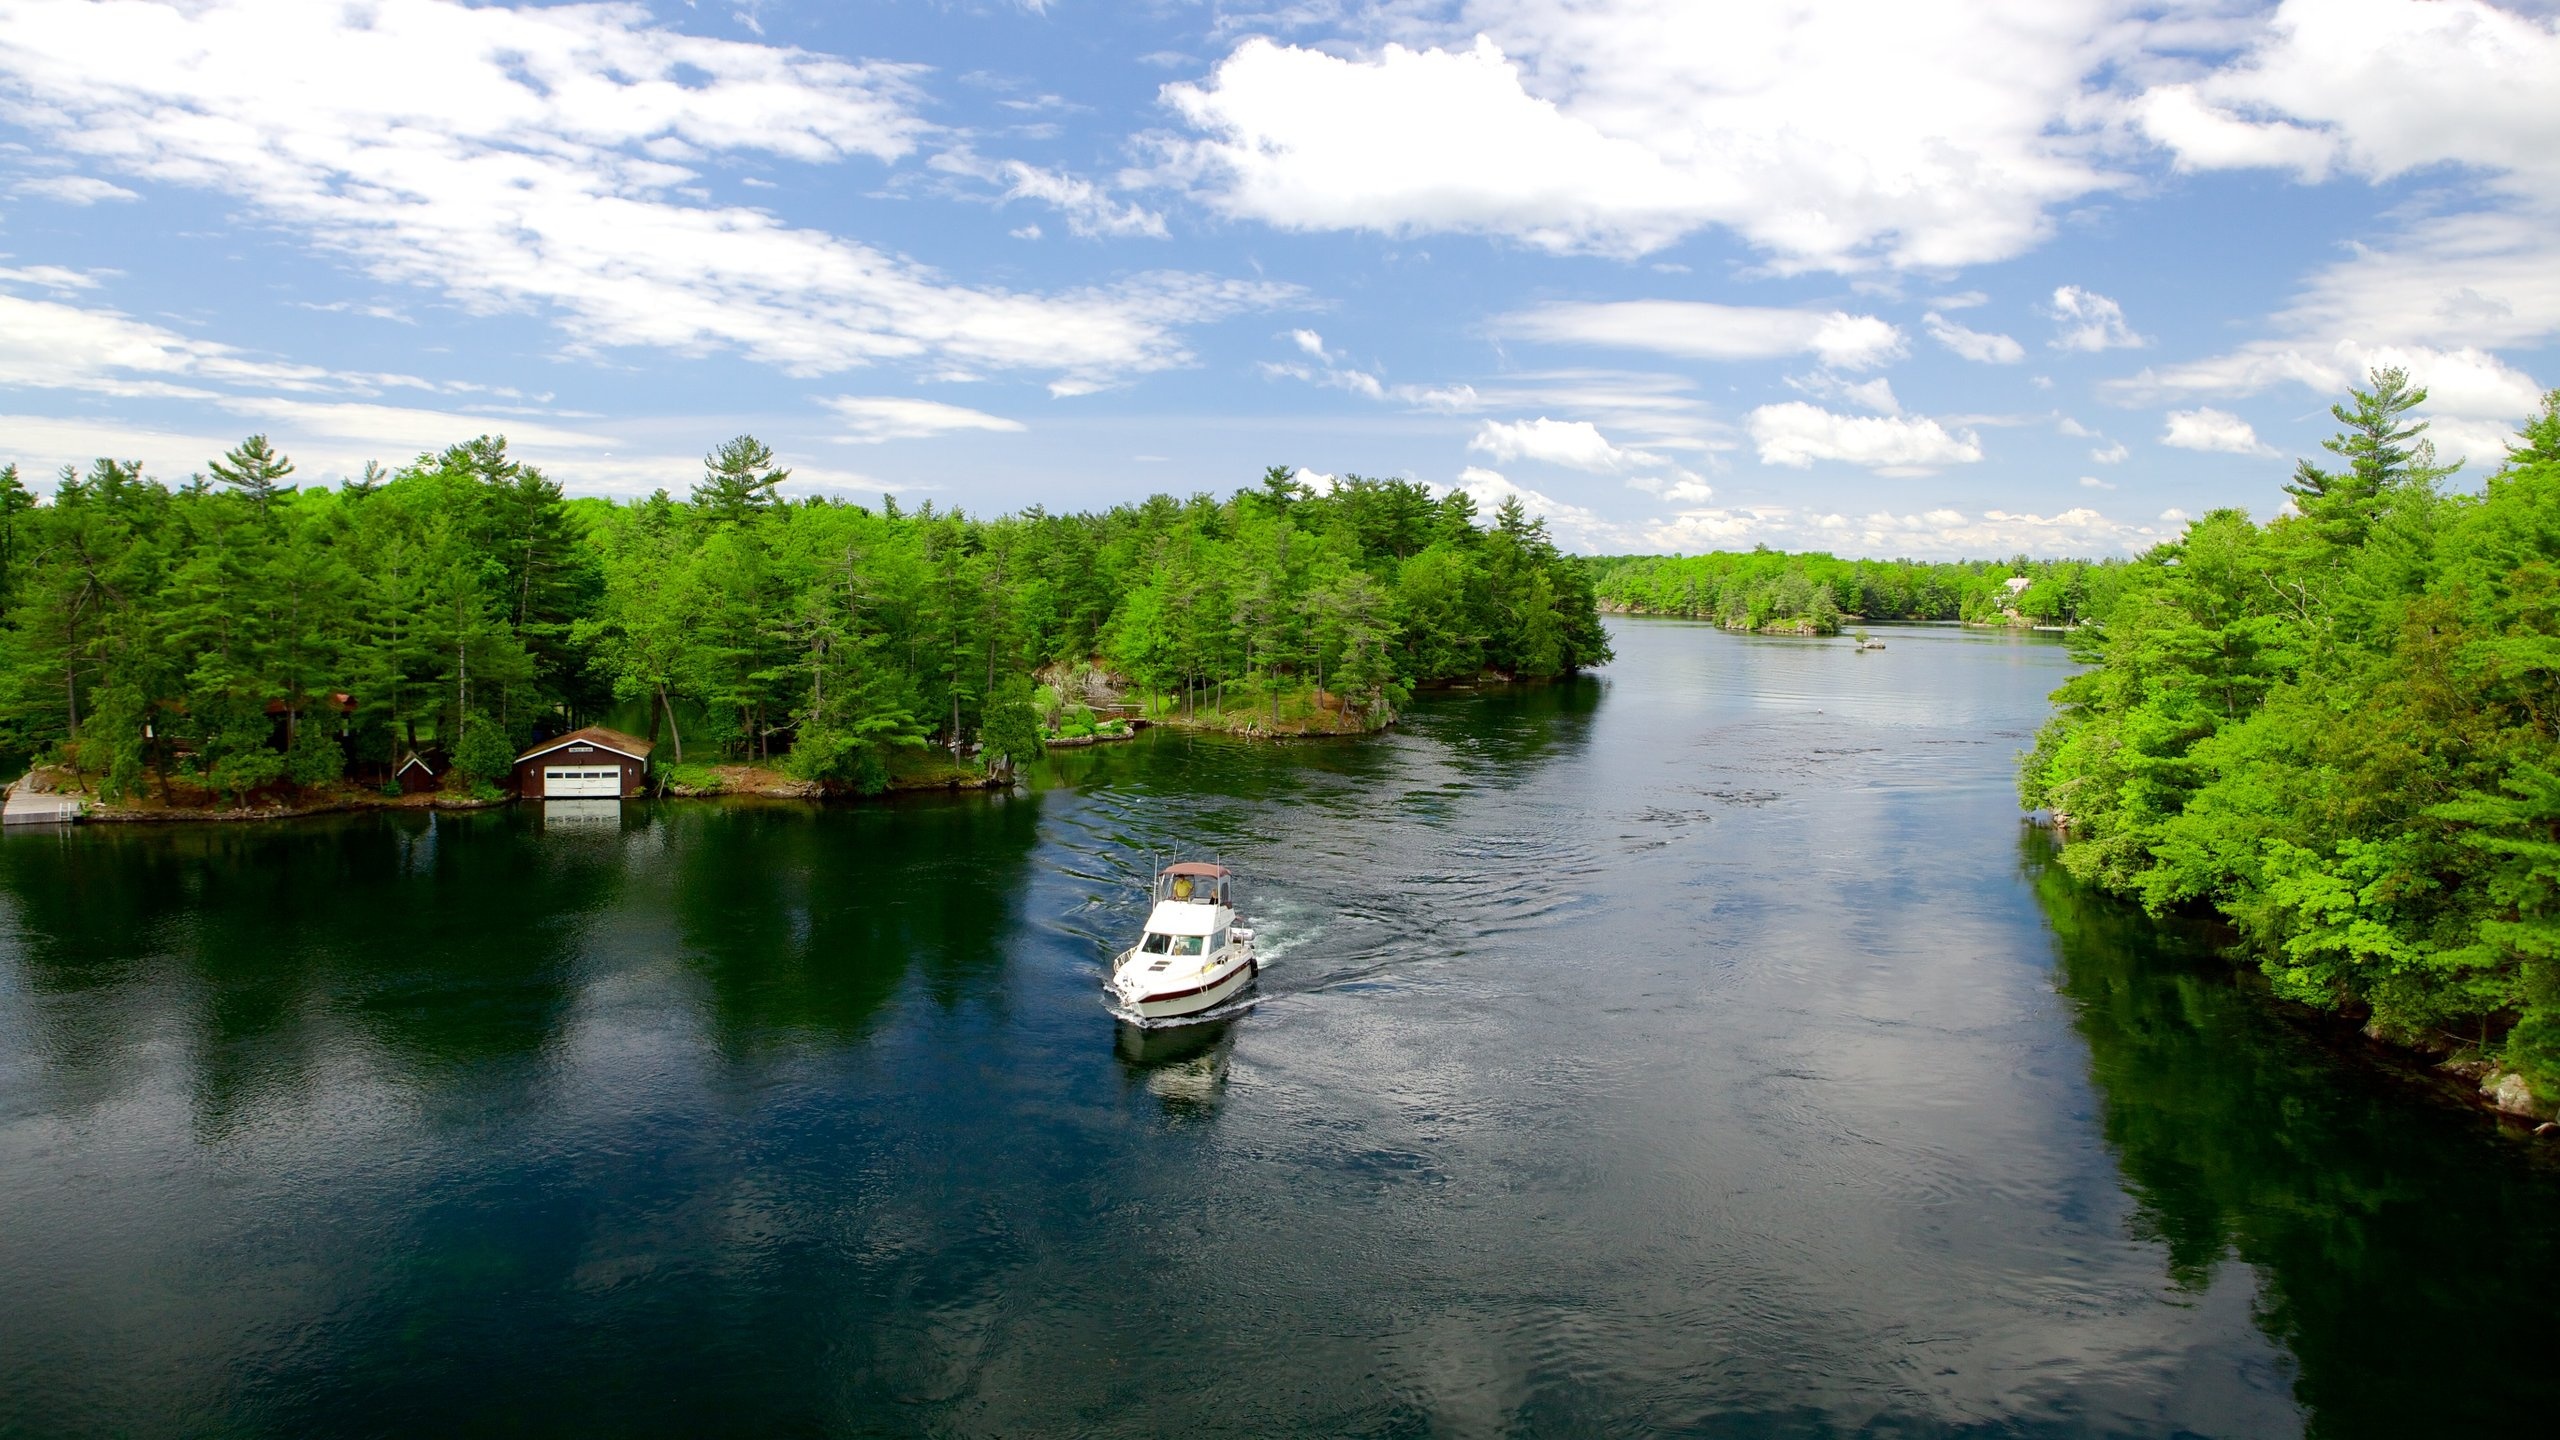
1194	867
599	737
432	764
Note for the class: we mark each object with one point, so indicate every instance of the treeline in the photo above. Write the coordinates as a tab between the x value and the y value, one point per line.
2338	729
233	632
1813	593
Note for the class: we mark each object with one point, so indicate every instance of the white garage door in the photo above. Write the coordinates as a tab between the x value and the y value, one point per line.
565	782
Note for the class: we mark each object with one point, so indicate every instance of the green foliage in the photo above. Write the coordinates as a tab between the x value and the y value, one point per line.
314	759
2337	729
483	757
1811	594
462	599
1011	735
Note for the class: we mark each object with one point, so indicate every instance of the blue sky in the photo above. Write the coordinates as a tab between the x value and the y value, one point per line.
1892	277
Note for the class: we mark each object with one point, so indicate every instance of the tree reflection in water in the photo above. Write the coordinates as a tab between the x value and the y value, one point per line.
2364	1208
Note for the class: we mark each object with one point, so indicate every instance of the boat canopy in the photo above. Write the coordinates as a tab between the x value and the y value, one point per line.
1192	881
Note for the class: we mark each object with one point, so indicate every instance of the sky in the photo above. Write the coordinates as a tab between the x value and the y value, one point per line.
1879	277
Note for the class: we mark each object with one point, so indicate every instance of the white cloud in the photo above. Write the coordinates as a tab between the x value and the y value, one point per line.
1976	345
1089	209
537	160
1573	526
1876	394
1796	434
327	441
2092	482
2114	454
2090	321
875	418
48	345
2383	89
1697	330
1687	489
1941	534
1931	133
74	189
402	431
1575	444
1309	341
2209	429
2379	88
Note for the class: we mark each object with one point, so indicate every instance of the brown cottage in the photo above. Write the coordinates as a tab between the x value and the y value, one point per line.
593	763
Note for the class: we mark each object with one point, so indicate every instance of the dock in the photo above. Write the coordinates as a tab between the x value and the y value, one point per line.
26	806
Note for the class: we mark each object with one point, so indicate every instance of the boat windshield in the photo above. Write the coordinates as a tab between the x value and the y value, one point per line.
1205	890
1154	944
1187	944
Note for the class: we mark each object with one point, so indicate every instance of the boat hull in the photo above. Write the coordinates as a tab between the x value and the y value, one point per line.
1171	1000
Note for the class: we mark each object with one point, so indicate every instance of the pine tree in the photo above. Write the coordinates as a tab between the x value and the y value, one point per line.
2383	452
253	467
738	479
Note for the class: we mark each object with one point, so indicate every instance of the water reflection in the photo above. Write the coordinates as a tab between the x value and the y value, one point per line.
1183	1066
802	924
2405	1255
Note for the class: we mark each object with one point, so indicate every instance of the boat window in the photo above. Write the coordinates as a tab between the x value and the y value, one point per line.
1154	943
1187	944
1217	942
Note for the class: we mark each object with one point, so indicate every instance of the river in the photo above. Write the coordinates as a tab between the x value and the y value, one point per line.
1701	1048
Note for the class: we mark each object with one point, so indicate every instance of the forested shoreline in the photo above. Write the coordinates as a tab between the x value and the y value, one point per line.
2338	731
1812	593
235	635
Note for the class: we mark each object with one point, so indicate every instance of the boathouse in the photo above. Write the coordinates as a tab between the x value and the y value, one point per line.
589	764
420	771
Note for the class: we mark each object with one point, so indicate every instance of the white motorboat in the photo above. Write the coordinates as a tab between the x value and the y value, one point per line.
1194	957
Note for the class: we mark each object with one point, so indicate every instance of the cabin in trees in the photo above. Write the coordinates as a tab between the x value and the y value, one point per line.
589	764
420	771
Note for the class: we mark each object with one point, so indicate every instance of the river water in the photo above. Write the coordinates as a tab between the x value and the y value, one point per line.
1704	1048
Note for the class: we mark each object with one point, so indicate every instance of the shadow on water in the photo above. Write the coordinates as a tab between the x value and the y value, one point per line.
2365	1210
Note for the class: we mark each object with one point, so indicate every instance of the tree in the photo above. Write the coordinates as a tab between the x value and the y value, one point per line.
2383	453
738	480
253	468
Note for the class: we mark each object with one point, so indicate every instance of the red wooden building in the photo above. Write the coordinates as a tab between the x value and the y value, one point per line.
589	764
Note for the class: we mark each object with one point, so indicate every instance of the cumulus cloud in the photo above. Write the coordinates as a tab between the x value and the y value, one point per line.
872	419
1931	133
1575	444
2378	88
1696	330
1976	345
1574	527
1876	394
2114	454
2209	429
1796	434
2090	321
543	160
2382	89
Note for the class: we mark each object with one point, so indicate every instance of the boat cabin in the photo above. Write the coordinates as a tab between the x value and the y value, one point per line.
1192	911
